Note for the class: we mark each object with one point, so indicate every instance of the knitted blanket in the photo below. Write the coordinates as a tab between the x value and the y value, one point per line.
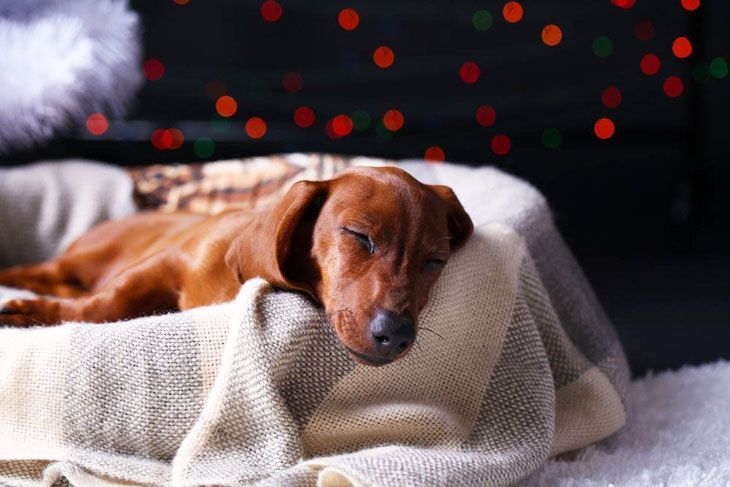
521	365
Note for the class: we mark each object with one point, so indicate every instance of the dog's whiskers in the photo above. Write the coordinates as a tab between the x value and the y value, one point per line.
430	330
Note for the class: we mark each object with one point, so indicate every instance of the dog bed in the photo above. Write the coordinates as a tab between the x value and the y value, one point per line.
524	366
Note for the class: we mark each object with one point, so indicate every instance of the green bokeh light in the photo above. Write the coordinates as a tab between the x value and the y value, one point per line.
602	46
552	138
718	68
204	147
482	20
383	133
220	124
360	120
701	72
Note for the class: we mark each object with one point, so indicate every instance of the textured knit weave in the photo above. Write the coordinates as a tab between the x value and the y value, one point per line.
258	391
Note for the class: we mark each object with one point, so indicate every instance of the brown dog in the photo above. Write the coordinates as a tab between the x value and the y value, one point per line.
368	245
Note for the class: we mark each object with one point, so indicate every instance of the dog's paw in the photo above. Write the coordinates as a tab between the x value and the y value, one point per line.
30	312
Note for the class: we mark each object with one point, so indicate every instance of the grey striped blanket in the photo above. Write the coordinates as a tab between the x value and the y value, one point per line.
523	365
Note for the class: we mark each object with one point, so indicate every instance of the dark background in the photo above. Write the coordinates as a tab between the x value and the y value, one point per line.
645	211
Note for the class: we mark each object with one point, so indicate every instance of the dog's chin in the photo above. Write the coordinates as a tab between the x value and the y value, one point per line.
361	358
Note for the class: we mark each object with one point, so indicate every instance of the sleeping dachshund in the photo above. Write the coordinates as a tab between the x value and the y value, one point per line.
368	245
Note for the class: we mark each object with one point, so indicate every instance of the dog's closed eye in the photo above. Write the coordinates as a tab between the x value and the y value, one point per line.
434	264
362	238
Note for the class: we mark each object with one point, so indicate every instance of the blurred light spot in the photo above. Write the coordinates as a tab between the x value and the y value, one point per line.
330	131
625	4
360	120
271	10
97	124
650	64
215	89
203	147
255	127
673	86
501	144
342	125
604	128
513	12
226	106
552	35
156	139
434	154
691	4
602	46
384	57
469	72
718	68
173	139
552	138
292	82
486	115
644	31
220	124
348	19
482	20
304	117
682	47
182	2
611	97
393	120
153	69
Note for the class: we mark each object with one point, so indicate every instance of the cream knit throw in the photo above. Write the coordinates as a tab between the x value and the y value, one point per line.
258	391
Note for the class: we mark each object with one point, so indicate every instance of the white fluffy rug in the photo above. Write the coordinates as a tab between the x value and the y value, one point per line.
678	434
60	61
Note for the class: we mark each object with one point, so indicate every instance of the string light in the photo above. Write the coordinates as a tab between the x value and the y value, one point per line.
153	69
673	86
486	115
625	4
348	19
384	57
602	46
304	117
226	106
611	97
469	72
513	12
718	68
690	4
482	20
501	144
650	64
97	124
360	120
682	47
271	10
604	128
393	120
342	125
552	35
255	127
552	138
434	154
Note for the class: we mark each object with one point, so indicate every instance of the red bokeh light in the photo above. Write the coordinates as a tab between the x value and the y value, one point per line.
611	97
383	57
342	125
673	86
604	128
255	127
486	115
501	144
153	69
304	117
393	120
226	106
626	4
348	19
682	47
434	154
271	10
469	72
292	82
97	124
513	12
650	64
690	4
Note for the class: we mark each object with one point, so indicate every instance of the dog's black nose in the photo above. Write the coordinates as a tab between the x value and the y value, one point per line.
391	333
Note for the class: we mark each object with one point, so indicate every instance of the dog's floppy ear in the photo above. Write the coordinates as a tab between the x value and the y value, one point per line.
460	224
277	244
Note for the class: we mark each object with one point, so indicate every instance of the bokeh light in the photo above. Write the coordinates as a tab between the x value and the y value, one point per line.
625	4
156	139
644	31
486	115
611	97
360	120
501	144
469	72
718	68
182	2
650	64
482	20
348	19
226	106
673	86
342	125
602	46
552	35
153	69
204	147
97	124
690	4
292	82
255	127
393	120
552	138
383	57
682	47
604	128
220	124
513	12
271	10
168	139
434	154
304	117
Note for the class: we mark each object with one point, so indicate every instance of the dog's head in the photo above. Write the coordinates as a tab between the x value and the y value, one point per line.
368	245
